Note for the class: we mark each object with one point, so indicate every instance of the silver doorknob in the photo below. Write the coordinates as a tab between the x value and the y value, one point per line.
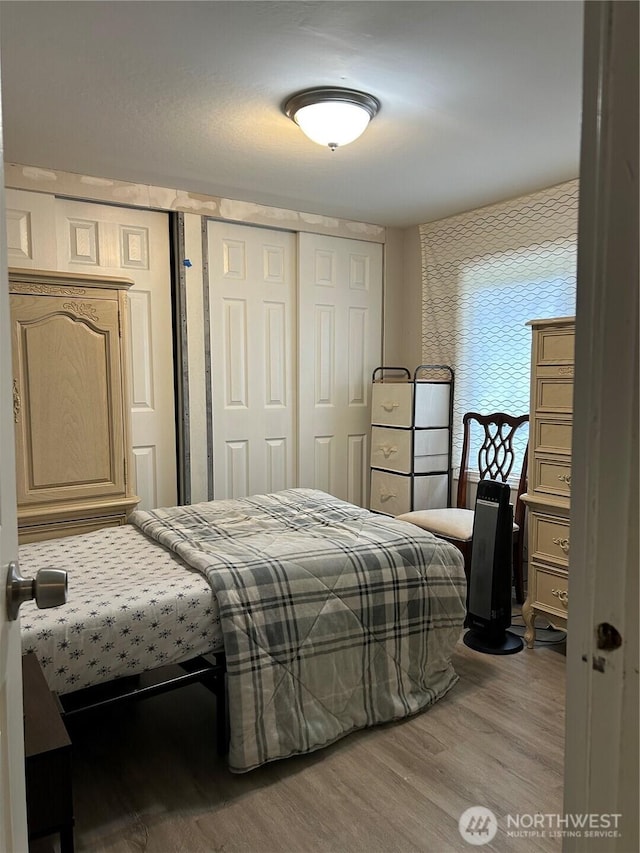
48	588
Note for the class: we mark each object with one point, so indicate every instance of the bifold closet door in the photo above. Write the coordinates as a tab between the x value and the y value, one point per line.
340	335
252	299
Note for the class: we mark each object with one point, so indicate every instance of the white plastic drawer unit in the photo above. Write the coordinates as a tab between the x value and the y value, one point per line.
392	404
394	494
392	449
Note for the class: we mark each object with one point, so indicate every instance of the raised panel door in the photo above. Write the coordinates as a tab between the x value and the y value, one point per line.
100	239
340	344
252	286
68	408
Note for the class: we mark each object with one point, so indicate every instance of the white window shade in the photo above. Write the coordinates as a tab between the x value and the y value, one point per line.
484	275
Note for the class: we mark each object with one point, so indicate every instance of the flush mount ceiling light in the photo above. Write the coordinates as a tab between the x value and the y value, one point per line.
332	116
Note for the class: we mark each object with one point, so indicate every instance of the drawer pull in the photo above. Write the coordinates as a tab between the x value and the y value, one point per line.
390	405
17	402
562	543
562	595
565	478
387	496
387	450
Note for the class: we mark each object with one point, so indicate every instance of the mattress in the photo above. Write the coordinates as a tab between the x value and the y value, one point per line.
132	605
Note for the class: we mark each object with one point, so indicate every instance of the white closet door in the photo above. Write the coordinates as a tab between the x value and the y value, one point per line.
134	243
252	277
340	321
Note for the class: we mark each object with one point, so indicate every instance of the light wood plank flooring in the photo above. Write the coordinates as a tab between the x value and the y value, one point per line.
147	778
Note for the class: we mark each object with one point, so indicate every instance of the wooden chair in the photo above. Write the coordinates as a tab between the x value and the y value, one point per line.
495	461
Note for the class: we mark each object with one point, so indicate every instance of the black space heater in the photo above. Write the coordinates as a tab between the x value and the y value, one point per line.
489	587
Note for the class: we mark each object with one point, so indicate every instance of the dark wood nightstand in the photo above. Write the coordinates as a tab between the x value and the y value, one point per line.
47	749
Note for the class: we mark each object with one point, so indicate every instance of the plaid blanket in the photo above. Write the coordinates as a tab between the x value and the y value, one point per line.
333	618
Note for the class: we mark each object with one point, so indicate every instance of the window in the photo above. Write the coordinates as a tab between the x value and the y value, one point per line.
485	274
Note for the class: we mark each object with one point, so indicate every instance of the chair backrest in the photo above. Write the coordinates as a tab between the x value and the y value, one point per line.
496	456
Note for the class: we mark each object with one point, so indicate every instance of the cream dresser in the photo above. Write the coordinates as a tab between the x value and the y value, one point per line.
549	486
70	402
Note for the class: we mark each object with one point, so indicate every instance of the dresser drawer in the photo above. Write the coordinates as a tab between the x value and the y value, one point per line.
392	403
552	476
549	539
432	404
553	394
556	346
395	494
552	590
390	493
392	449
431	450
552	435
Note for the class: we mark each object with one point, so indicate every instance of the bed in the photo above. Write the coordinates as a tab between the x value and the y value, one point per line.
329	618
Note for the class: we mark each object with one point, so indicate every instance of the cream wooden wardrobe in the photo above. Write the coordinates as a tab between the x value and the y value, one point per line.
70	403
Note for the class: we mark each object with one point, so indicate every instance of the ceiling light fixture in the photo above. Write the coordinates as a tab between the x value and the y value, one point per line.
332	116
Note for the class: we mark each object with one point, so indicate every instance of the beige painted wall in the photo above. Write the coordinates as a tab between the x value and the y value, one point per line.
412	342
402	298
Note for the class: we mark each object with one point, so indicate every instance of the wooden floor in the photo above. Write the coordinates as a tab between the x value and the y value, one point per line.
148	778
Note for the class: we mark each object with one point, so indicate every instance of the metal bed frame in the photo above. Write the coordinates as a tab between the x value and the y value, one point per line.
210	673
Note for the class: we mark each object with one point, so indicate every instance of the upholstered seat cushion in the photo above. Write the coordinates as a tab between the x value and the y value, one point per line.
451	523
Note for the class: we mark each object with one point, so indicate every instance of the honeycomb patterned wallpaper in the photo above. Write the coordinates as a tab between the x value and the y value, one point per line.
485	273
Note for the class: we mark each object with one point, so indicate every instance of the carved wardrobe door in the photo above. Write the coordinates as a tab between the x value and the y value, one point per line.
70	403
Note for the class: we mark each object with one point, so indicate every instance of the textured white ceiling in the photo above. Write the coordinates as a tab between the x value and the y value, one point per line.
481	101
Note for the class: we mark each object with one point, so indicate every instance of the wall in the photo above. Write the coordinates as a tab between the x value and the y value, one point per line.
402	298
91	188
413	296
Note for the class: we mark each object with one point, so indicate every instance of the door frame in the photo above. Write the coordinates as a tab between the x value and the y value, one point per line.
601	750
13	813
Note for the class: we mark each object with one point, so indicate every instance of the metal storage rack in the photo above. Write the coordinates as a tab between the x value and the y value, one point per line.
411	438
